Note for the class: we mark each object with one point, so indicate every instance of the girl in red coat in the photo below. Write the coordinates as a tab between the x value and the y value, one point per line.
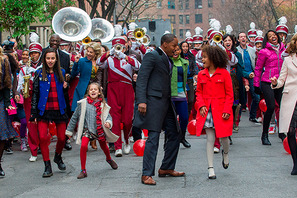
214	102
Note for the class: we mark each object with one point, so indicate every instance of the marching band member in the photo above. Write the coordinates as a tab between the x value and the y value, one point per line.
189	39
259	41
282	29
252	34
27	72
197	41
120	93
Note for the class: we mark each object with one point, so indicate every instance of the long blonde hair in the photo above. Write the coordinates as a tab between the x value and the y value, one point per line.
292	49
96	47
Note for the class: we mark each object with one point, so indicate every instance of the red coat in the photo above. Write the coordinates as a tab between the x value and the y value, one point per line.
216	91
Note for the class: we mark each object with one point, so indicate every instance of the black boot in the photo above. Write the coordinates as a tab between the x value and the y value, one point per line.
2	174
282	136
293	148
58	160
265	140
48	169
184	141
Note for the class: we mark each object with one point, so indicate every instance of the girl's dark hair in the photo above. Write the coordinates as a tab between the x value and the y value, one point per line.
105	47
233	48
181	44
190	56
265	40
57	67
216	55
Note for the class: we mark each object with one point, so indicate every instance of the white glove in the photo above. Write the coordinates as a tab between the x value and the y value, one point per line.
112	51
121	55
212	43
135	45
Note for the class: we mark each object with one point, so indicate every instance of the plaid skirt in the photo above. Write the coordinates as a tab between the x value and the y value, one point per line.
7	131
209	120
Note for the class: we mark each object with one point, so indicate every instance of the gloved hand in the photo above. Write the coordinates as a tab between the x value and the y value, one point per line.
121	55
257	90
135	45
112	51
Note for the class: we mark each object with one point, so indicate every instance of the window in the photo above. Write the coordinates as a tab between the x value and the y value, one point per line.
198	4
172	18
181	21
187	19
198	18
159	4
180	4
171	4
187	4
210	3
181	33
174	31
223	2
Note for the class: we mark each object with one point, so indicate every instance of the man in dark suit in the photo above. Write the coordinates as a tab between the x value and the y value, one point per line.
64	59
154	110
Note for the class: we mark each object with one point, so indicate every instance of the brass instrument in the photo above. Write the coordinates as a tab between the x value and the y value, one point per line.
72	24
118	48
146	40
26	86
217	38
138	33
101	29
86	40
284	40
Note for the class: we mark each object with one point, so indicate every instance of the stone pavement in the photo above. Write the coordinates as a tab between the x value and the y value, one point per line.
255	171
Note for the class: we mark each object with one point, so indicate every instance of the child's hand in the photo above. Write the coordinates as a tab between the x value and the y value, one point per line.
203	111
107	125
225	116
273	80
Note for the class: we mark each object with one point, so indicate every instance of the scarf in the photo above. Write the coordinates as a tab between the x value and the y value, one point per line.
275	47
97	104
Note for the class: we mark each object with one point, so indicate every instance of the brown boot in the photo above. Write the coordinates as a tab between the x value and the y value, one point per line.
93	144
113	164
82	174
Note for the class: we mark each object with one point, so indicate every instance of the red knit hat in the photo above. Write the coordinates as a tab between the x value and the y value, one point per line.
118	40
35	47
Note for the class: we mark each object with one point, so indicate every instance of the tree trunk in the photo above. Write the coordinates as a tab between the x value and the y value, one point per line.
273	10
81	4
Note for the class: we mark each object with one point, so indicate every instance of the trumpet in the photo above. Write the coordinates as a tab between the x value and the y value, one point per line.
118	48
284	40
138	33
146	40
217	38
26	86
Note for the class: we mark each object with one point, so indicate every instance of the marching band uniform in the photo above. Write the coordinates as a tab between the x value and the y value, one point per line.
33	140
120	93
252	34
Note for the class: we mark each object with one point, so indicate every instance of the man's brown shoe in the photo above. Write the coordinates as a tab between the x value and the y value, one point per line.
82	174
148	180
173	173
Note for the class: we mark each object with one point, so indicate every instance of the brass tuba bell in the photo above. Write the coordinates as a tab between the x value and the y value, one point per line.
146	40
217	38
101	29
138	33
72	24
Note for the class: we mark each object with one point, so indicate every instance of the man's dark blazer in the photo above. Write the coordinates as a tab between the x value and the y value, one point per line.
64	60
153	87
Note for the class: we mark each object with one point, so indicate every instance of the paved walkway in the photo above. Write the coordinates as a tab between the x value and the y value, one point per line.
254	171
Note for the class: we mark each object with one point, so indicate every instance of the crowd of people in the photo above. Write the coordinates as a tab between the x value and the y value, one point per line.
92	93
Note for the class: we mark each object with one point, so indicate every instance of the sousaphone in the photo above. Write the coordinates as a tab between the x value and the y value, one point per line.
72	24
101	29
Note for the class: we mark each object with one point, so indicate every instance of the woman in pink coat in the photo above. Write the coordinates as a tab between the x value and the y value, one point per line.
288	111
214	102
269	64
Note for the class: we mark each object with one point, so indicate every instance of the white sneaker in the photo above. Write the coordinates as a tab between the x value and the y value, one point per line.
131	139
118	153
271	129
259	119
33	158
216	150
127	149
